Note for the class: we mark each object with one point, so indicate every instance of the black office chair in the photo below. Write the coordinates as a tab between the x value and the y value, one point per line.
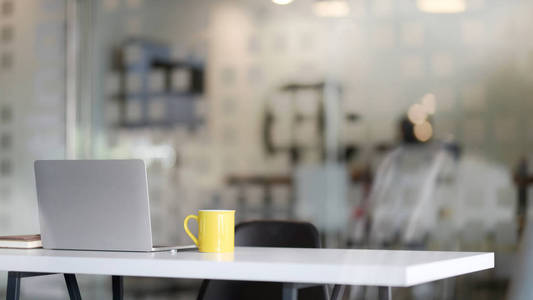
266	234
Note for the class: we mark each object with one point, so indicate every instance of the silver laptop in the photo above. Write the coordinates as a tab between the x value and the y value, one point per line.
95	205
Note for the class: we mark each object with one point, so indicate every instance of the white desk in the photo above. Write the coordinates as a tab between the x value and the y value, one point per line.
288	265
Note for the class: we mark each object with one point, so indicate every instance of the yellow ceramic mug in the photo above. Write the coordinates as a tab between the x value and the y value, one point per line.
216	230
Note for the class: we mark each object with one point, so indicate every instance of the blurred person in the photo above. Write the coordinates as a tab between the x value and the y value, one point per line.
430	192
402	209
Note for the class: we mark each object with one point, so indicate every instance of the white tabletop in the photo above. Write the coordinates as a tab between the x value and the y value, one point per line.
331	266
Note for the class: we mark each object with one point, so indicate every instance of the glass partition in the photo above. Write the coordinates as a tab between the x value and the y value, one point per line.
387	124
32	103
394	124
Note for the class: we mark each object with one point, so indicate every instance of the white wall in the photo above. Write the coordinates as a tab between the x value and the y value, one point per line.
33	88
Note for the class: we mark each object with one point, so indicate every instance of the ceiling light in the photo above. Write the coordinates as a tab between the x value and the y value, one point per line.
441	6
331	8
429	102
282	2
417	114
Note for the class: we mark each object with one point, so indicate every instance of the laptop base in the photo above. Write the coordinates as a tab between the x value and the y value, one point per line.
173	248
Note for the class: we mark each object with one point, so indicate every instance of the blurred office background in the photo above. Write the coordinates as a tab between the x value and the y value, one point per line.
398	124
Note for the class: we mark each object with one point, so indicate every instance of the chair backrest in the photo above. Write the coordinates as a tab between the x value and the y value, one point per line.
266	234
277	234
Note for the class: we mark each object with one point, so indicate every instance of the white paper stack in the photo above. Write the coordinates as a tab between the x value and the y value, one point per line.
21	241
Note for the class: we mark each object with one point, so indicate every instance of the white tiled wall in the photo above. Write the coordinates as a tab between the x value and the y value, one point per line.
32	47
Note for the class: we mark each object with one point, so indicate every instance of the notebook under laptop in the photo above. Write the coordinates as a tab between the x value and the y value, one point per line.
95	205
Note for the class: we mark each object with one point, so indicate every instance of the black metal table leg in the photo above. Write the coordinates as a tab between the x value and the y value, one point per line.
72	286
338	292
385	293
118	287
289	291
13	286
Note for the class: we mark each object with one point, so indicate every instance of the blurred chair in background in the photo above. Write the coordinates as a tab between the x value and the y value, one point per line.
266	234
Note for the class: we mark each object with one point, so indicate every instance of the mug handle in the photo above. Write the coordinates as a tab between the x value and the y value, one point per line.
186	227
